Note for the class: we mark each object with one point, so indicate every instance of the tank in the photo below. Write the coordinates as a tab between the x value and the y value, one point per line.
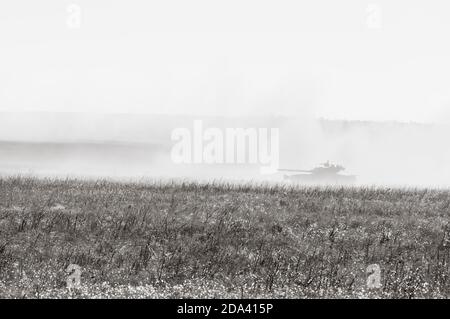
325	174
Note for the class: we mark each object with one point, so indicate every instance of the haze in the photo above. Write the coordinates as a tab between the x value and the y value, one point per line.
228	57
382	61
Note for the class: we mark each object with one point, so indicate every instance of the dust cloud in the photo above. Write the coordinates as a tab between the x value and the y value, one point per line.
138	147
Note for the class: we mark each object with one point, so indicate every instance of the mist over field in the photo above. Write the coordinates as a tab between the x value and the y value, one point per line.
138	147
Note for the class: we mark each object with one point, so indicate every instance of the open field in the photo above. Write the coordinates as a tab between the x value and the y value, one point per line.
217	240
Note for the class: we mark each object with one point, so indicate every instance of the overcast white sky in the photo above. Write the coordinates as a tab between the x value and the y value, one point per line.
316	57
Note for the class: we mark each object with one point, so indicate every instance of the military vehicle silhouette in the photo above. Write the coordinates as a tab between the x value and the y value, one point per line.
326	173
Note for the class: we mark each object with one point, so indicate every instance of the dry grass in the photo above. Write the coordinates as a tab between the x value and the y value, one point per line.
219	240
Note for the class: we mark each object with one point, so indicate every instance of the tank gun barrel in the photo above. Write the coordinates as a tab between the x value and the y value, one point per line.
294	170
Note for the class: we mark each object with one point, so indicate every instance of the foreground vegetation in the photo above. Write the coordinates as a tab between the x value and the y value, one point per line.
220	241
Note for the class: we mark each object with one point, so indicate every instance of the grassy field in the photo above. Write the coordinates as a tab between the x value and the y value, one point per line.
220	241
